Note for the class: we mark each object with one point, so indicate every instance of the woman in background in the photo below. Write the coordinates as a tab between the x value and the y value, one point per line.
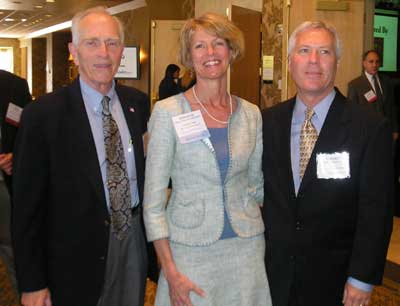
169	84
209	238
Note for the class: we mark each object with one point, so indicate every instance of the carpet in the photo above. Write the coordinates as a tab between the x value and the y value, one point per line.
386	295
8	294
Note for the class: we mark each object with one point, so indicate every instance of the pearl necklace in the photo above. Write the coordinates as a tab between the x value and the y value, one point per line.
206	111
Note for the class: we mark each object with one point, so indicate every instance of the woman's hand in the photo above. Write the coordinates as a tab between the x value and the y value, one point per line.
180	287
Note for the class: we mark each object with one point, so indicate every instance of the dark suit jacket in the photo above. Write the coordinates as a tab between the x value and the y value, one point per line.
358	87
333	228
15	90
61	223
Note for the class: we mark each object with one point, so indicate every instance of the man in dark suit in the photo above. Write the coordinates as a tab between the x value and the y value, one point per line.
328	192
14	96
375	90
78	181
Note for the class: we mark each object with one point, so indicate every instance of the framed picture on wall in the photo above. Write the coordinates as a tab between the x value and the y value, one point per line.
130	64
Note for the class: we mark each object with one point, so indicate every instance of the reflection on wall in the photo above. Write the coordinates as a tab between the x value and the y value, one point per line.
272	45
60	59
38	67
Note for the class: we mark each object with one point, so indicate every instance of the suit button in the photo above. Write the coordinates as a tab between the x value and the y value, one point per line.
300	196
298	226
292	257
102	257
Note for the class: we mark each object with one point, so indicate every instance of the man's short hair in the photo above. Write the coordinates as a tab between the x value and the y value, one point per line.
371	51
310	25
94	10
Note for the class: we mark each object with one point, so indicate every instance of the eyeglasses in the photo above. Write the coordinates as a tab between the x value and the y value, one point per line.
95	43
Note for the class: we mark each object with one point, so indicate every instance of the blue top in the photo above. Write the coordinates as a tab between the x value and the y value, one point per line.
320	113
219	140
92	100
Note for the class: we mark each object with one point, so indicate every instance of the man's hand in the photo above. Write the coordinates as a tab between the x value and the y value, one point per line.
36	298
355	297
395	136
6	162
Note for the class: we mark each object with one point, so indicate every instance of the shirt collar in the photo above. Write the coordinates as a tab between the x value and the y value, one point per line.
93	98
320	110
370	76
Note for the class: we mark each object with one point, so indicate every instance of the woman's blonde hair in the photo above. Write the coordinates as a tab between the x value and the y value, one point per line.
213	24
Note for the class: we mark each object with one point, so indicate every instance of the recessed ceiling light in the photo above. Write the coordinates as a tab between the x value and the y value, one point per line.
38	6
9	19
50	1
23	19
48	15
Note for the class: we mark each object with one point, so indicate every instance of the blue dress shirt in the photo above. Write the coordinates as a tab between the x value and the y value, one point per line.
92	100
299	114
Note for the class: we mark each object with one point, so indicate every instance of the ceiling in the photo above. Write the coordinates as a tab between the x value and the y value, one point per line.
18	18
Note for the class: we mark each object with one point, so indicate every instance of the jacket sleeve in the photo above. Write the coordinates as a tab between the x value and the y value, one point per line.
30	181
375	206
161	148
352	93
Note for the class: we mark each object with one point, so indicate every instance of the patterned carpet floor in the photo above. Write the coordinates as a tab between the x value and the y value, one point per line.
8	294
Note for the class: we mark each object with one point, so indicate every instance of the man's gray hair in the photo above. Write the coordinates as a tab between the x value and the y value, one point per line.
310	25
94	10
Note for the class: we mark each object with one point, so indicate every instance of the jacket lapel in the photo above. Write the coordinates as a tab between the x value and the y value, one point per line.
282	146
333	135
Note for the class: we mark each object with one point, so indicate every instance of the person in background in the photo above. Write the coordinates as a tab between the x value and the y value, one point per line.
169	84
328	183
209	236
375	89
14	96
78	181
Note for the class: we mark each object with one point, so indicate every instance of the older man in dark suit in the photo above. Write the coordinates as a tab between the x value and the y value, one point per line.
375	89
79	174
328	184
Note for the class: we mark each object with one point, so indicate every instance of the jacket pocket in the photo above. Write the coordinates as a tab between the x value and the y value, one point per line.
187	213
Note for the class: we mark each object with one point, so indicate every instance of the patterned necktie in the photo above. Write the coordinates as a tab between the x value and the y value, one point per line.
117	176
379	96
308	138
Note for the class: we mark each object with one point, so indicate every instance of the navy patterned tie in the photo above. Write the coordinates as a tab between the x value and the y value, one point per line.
308	138
117	176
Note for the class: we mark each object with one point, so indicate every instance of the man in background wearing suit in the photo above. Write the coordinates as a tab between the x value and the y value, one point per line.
375	89
78	181
14	96
327	179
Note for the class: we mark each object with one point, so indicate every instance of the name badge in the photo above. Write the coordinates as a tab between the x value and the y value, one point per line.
370	96
333	165
13	114
190	127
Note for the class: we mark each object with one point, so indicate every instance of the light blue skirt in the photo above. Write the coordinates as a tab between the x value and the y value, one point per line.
230	271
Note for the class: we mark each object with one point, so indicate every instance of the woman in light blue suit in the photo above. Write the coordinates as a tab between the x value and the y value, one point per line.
209	237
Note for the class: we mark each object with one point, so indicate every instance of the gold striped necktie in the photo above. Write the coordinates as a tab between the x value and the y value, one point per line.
308	138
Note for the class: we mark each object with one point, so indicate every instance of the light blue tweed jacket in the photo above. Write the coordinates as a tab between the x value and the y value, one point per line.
194	215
